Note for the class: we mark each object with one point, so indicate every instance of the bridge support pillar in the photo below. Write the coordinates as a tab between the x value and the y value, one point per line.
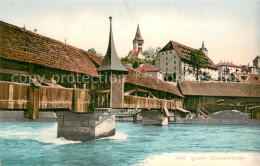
85	126
154	117
135	118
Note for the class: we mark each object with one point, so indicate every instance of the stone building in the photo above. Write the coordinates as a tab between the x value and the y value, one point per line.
225	69
151	70
173	59
256	64
138	42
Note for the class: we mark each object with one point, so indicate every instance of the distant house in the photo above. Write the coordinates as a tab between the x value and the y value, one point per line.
138	42
244	77
173	59
218	96
225	69
255	69
151	70
133	54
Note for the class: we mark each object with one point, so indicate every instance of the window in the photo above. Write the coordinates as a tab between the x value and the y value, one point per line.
170	52
174	56
162	53
174	67
166	52
174	62
166	63
139	44
166	58
166	69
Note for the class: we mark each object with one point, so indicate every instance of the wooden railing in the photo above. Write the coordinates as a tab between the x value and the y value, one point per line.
150	103
26	96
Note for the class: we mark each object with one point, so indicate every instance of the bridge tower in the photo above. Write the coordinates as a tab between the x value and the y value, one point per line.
112	74
100	123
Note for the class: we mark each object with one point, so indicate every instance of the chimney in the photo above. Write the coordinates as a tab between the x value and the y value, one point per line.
35	30
220	61
231	62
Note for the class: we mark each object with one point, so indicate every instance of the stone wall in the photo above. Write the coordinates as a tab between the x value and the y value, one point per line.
218	121
85	126
155	118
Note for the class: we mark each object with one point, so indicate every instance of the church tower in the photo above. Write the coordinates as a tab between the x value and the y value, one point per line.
204	49
138	41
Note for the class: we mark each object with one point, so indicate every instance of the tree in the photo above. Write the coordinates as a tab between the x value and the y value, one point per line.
135	64
196	62
151	53
92	50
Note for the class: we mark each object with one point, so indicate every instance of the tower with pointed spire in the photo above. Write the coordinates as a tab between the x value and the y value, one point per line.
204	49
138	41
112	74
111	61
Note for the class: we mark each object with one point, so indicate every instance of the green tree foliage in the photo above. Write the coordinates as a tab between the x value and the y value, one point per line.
92	50
151	53
134	62
196	62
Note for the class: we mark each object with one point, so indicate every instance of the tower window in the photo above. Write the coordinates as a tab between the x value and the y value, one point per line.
170	52
174	68
174	62
139	44
162	53
166	52
166	63
166	58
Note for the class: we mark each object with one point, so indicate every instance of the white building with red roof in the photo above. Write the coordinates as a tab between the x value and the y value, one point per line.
150	70
225	69
138	42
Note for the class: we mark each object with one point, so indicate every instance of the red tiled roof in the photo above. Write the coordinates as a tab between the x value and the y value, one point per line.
227	64
147	68
184	52
141	79
25	46
251	78
133	52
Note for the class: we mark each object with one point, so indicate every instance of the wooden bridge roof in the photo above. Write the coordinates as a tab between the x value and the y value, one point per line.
145	80
25	46
232	89
22	45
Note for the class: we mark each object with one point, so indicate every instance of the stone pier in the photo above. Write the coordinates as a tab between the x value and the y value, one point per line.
85	126
154	117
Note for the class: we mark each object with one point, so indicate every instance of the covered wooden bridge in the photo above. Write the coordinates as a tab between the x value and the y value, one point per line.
32	65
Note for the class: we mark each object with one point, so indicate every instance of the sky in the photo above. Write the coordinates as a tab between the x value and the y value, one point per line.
230	29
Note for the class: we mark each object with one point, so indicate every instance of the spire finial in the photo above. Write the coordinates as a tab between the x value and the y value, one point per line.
203	44
111	61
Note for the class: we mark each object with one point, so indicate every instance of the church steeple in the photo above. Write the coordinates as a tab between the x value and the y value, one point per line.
204	49
111	61
138	40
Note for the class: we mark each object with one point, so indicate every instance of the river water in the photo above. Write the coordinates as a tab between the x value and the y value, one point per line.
36	143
